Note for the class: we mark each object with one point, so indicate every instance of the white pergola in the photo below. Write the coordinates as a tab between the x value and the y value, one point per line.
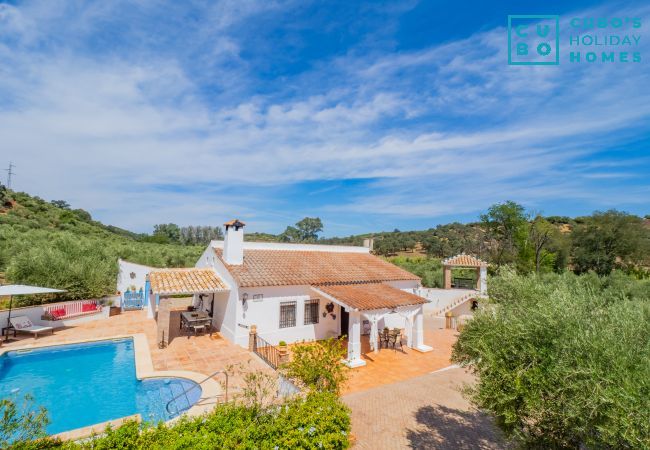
374	301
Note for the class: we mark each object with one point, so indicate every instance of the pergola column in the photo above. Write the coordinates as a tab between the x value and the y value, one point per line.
482	288
151	308
418	333
446	276
354	340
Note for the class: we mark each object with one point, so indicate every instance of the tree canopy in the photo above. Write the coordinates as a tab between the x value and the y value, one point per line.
305	230
563	361
607	240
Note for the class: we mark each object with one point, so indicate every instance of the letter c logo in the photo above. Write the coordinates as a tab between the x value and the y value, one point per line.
518	30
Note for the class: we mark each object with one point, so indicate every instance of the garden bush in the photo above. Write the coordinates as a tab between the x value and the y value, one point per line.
320	420
21	422
317	364
563	361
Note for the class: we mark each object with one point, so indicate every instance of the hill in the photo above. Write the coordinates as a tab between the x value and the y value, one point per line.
45	244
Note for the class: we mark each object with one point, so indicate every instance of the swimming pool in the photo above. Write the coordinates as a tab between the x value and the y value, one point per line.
85	384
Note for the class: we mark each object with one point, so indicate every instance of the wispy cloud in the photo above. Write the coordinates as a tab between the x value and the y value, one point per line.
104	103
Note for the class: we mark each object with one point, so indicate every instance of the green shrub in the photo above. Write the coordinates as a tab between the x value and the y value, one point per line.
320	420
563	361
318	364
21	424
429	269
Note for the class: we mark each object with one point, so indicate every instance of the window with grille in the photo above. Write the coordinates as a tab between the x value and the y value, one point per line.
287	314
311	311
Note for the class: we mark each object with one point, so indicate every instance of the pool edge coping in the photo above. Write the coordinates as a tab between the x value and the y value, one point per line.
210	389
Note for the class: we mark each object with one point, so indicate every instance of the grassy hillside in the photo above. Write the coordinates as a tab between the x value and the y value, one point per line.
43	244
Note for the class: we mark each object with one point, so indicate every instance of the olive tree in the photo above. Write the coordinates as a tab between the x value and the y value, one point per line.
562	361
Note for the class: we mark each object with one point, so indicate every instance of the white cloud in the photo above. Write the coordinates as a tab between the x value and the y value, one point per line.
106	130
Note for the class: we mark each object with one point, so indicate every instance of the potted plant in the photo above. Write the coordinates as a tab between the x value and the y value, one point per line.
282	346
113	310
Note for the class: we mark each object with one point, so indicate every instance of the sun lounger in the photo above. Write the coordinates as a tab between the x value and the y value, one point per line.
23	323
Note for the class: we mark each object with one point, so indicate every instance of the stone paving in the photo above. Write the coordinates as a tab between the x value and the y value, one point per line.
426	412
390	366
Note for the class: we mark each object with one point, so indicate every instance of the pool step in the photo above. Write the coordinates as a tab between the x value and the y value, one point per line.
174	391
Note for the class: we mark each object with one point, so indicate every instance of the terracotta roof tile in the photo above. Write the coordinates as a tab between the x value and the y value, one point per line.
464	260
367	296
186	281
298	267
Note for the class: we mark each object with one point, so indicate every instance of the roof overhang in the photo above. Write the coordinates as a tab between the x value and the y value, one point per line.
186	281
368	296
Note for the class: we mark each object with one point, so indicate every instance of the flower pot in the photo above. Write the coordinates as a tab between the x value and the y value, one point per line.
114	311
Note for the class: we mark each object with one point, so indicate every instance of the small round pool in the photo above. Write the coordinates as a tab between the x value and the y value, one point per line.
85	384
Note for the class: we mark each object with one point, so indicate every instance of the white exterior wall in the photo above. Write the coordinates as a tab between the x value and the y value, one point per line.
441	298
225	304
35	312
124	280
265	313
464	309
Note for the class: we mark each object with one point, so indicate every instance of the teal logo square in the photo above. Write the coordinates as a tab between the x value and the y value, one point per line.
533	40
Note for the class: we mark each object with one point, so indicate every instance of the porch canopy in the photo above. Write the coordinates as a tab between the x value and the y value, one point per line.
179	282
374	301
186	281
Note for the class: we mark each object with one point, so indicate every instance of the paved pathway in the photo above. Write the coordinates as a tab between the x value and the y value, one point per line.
427	412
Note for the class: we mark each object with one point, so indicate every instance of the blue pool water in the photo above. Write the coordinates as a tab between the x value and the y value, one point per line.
85	384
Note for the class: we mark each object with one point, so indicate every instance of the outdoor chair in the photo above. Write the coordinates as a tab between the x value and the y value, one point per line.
397	339
23	324
384	338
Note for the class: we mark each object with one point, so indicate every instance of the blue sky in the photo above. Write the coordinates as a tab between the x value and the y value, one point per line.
370	116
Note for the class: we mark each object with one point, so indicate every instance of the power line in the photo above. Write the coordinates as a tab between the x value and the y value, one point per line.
10	172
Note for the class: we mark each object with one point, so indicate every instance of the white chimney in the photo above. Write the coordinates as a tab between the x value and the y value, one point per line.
233	243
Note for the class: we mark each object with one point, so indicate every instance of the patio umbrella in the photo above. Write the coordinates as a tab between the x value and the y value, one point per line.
21	289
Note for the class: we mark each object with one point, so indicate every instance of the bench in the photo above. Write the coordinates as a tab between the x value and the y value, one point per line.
71	309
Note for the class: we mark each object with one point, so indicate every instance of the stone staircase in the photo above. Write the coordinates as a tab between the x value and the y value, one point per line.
457	302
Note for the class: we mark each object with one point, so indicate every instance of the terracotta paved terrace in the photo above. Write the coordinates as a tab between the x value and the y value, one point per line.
390	366
205	354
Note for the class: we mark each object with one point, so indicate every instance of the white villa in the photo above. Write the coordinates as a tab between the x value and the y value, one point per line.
296	292
292	292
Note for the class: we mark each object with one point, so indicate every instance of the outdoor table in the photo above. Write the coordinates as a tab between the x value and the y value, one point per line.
191	319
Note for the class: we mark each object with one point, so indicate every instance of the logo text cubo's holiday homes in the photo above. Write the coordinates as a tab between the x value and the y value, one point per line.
604	40
537	40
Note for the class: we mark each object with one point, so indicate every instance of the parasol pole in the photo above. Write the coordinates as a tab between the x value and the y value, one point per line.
11	300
